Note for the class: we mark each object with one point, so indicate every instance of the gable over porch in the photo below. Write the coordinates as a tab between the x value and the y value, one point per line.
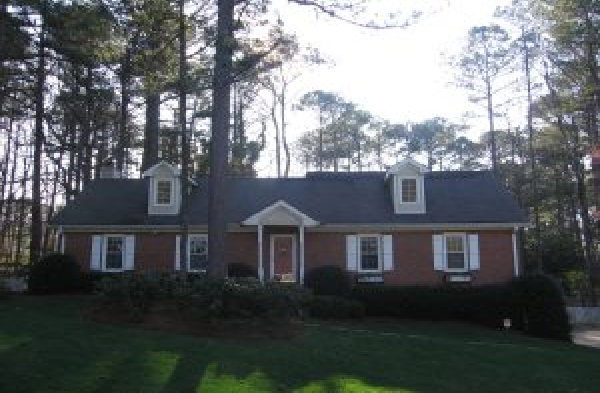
284	227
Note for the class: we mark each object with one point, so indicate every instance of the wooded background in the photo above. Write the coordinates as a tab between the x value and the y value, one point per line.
86	82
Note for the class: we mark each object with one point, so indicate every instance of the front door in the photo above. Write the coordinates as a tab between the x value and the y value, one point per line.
283	258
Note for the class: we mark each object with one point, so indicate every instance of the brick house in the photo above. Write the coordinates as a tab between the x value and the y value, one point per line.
405	226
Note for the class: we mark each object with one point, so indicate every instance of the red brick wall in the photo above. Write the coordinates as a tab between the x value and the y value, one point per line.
80	246
413	260
242	248
156	252
496	257
413	254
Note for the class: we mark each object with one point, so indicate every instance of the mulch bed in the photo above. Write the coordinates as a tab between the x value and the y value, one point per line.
176	323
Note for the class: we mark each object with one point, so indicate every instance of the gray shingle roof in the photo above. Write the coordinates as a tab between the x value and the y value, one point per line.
330	198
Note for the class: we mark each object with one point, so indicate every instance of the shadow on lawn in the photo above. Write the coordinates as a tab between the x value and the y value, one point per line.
46	347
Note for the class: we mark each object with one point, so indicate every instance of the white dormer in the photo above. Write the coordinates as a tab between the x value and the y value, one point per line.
164	189
407	186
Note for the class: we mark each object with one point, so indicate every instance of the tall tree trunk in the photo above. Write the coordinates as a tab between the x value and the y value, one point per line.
277	133
286	147
220	138
490	110
38	145
151	131
20	227
123	140
532	157
320	152
185	145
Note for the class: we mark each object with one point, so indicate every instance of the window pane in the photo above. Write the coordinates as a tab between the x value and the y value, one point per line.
198	253
455	244
369	253
163	192
456	260
198	262
114	253
409	190
114	261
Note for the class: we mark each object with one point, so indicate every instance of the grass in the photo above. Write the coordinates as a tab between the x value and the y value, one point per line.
45	346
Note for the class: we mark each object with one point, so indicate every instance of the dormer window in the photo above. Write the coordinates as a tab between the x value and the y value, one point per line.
406	182
409	190
164	192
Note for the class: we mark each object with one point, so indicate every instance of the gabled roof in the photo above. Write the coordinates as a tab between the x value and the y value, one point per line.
452	197
408	165
161	166
280	213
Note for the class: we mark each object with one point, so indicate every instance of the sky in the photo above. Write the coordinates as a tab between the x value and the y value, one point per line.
401	75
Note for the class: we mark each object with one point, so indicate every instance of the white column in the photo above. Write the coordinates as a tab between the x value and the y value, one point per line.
301	267
261	272
515	253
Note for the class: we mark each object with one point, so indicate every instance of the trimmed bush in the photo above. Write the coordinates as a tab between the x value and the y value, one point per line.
134	294
484	305
332	307
543	307
199	297
329	280
53	274
241	270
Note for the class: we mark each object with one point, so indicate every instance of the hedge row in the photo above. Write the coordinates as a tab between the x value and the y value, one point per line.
533	304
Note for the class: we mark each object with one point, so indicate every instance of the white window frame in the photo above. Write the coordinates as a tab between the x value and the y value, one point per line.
172	191
379	253
105	252
189	254
465	242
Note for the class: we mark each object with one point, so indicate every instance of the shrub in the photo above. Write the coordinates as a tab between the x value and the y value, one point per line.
199	296
332	307
89	280
485	305
55	273
543	307
4	292
134	294
329	280
241	270
240	298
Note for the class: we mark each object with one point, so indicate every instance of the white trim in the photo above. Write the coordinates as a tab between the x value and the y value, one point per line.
150	171
301	267
379	253
474	252
259	218
189	253
104	251
155	191
349	227
272	255
407	163
60	241
261	269
465	252
515	254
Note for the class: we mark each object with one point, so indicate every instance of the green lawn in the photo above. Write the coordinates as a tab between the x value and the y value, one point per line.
46	347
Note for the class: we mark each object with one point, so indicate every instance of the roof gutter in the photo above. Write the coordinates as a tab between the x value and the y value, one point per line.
320	228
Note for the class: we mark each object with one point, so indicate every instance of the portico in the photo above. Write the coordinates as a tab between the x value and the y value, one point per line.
284	227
